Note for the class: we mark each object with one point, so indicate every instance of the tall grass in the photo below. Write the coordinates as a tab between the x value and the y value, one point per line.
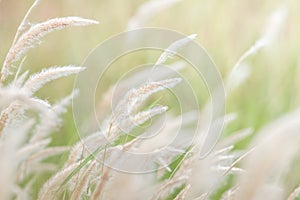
259	170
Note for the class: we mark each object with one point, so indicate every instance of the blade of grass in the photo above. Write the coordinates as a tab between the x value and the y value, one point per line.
84	162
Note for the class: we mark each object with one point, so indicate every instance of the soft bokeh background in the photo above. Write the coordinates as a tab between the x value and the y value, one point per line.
226	29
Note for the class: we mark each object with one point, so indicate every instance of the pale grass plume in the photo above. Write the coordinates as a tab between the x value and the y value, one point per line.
61	106
101	184
125	116
23	143
103	107
203	196
30	38
294	194
116	90
273	26
225	149
16	109
167	134
226	169
21	28
236	137
80	149
166	188
139	118
52	188
22	25
285	139
20	80
18	71
83	182
237	77
32	148
147	10
135	97
49	120
157	73
40	105
47	152
36	81
111	131
9	159
229	194
173	48
136	187
204	137
179	178
23	193
39	167
33	162
3	122
106	172
182	193
205	173
10	94
237	161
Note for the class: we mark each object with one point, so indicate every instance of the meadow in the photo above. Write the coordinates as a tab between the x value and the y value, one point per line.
51	147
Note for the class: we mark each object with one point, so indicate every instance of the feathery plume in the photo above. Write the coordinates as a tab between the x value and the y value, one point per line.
51	188
294	194
11	94
19	81
48	152
173	48
60	107
9	160
24	21
273	26
84	181
284	134
32	148
135	97
28	39
36	81
147	10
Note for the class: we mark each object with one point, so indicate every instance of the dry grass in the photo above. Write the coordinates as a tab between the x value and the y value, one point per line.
259	170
